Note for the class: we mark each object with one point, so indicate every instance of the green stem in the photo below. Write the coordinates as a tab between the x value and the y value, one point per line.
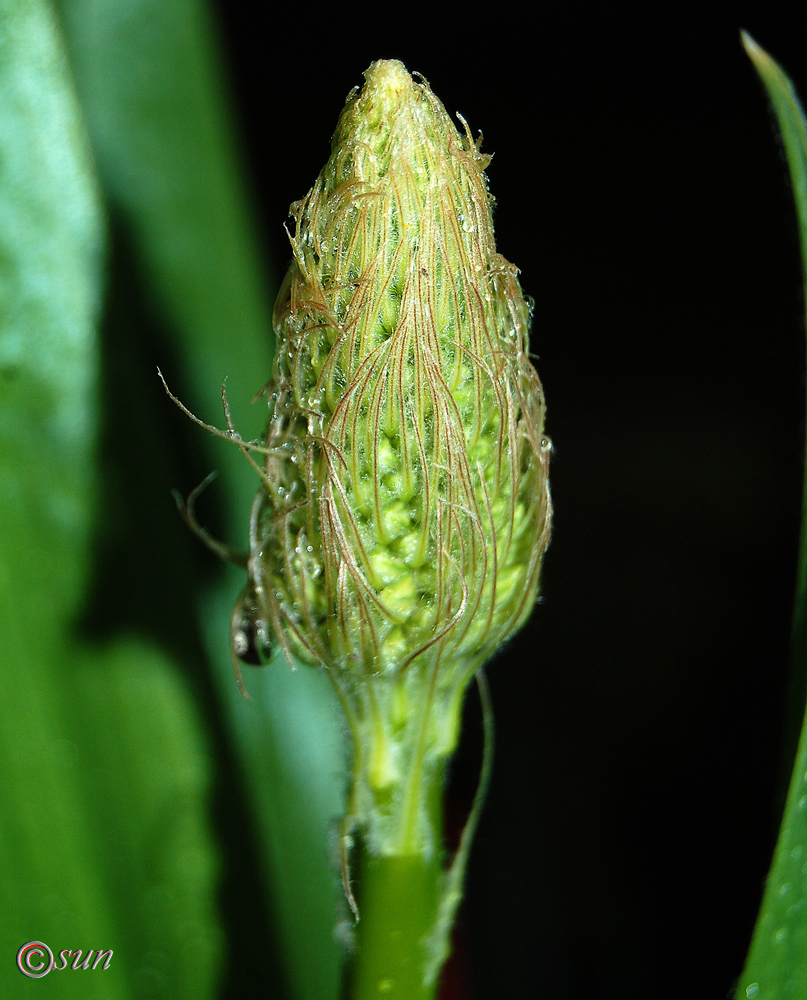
399	902
399	896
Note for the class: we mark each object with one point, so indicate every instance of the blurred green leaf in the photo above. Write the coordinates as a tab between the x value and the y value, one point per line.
149	78
104	840
132	739
291	741
776	967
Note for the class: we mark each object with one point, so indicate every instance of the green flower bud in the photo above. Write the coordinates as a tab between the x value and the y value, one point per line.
404	507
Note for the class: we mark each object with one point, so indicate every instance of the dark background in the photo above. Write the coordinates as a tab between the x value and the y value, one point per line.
642	192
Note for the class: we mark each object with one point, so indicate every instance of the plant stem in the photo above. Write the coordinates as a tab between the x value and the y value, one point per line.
398	906
399	899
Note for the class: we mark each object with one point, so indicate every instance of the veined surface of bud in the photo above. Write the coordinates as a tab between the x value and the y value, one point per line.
398	533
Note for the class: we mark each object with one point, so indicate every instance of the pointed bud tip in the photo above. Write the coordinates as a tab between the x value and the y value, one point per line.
388	87
388	75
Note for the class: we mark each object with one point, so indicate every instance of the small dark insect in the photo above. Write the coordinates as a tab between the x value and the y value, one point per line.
249	639
243	634
249	634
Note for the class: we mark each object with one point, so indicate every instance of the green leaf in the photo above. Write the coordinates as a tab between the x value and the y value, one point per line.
148	76
776	967
290	738
50	241
149	79
104	838
132	739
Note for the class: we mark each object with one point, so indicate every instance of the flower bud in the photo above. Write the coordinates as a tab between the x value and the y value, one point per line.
404	507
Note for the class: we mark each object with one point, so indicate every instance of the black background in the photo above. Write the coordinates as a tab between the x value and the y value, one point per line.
641	190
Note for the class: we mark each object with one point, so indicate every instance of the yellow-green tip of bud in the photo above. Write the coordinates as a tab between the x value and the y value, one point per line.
404	510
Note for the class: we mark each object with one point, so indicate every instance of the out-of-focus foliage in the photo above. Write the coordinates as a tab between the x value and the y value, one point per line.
105	841
149	81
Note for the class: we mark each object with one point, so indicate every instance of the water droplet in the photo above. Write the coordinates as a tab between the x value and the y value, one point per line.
309	548
803	802
797	852
780	935
785	889
752	990
385	986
